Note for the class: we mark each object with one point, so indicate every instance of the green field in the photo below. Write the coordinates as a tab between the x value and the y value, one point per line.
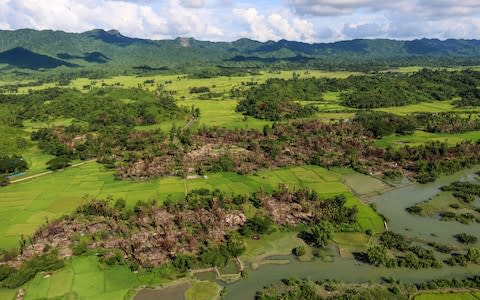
449	296
202	290
12	140
82	278
277	243
222	113
421	137
430	107
53	195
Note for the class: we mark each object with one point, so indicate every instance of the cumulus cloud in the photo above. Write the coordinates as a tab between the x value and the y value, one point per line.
136	18
275	26
305	20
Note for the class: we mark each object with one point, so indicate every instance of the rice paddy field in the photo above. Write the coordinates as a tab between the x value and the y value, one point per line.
81	278
84	278
449	296
422	137
26	205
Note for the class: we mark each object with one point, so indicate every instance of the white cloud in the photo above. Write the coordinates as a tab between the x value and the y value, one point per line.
305	20
134	18
275	26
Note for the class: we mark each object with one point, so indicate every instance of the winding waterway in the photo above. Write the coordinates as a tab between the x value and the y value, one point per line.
391	204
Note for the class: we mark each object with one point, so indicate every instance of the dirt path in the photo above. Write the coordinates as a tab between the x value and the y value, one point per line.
49	172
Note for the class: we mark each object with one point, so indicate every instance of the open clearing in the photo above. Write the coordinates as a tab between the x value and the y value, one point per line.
25	206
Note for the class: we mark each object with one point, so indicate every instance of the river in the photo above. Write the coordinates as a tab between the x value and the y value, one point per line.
391	204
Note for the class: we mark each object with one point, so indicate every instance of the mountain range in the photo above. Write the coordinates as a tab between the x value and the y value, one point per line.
47	49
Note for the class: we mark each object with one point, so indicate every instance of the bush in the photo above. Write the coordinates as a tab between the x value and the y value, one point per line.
465	238
80	248
113	258
58	163
199	89
318	235
5	271
45	262
299	251
4	181
257	225
414	210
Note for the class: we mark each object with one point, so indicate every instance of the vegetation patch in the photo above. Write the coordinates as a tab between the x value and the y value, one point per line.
455	203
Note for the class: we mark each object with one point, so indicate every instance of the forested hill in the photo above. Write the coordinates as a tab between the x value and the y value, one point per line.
24	48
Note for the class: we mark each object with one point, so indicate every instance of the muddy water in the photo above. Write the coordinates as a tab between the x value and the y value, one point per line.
176	292
342	269
391	204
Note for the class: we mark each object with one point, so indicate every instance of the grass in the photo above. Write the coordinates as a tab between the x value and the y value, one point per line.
7	294
53	195
12	140
362	184
449	296
202	290
222	113
30	126
82	278
443	202
276	243
440	202
349	243
430	107
422	137
85	278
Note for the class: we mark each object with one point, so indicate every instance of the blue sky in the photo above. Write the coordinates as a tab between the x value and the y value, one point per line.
227	20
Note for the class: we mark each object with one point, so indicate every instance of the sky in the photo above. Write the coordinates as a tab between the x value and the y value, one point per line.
228	20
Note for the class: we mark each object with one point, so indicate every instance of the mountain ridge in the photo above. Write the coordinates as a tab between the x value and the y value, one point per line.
110	47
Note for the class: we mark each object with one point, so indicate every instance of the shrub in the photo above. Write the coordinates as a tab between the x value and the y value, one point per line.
58	163
45	262
299	251
465	238
4	181
80	248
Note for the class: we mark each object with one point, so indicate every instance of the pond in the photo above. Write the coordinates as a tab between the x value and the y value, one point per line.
391	204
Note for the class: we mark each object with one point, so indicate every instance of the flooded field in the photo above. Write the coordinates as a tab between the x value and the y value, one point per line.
391	204
176	292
